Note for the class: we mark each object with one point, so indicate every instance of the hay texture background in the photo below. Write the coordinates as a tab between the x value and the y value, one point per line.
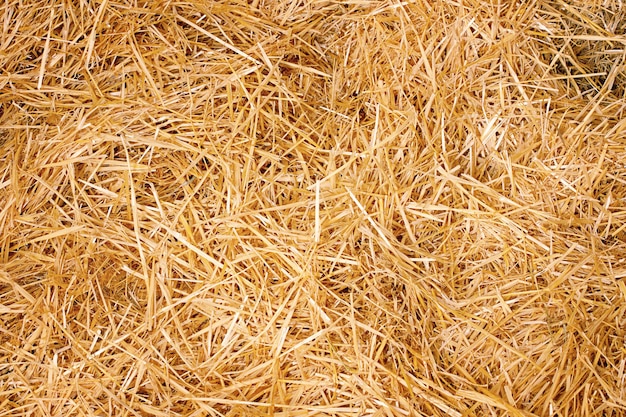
312	208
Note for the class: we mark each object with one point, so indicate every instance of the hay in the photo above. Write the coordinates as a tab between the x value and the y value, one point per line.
312	208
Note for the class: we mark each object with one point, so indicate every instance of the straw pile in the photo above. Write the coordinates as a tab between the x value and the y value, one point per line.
312	208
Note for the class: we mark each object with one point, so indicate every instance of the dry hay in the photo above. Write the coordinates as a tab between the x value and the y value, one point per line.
312	208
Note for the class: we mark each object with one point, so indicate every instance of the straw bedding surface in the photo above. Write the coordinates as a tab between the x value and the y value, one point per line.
312	208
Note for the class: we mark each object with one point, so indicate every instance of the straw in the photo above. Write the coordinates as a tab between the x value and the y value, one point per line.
273	208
